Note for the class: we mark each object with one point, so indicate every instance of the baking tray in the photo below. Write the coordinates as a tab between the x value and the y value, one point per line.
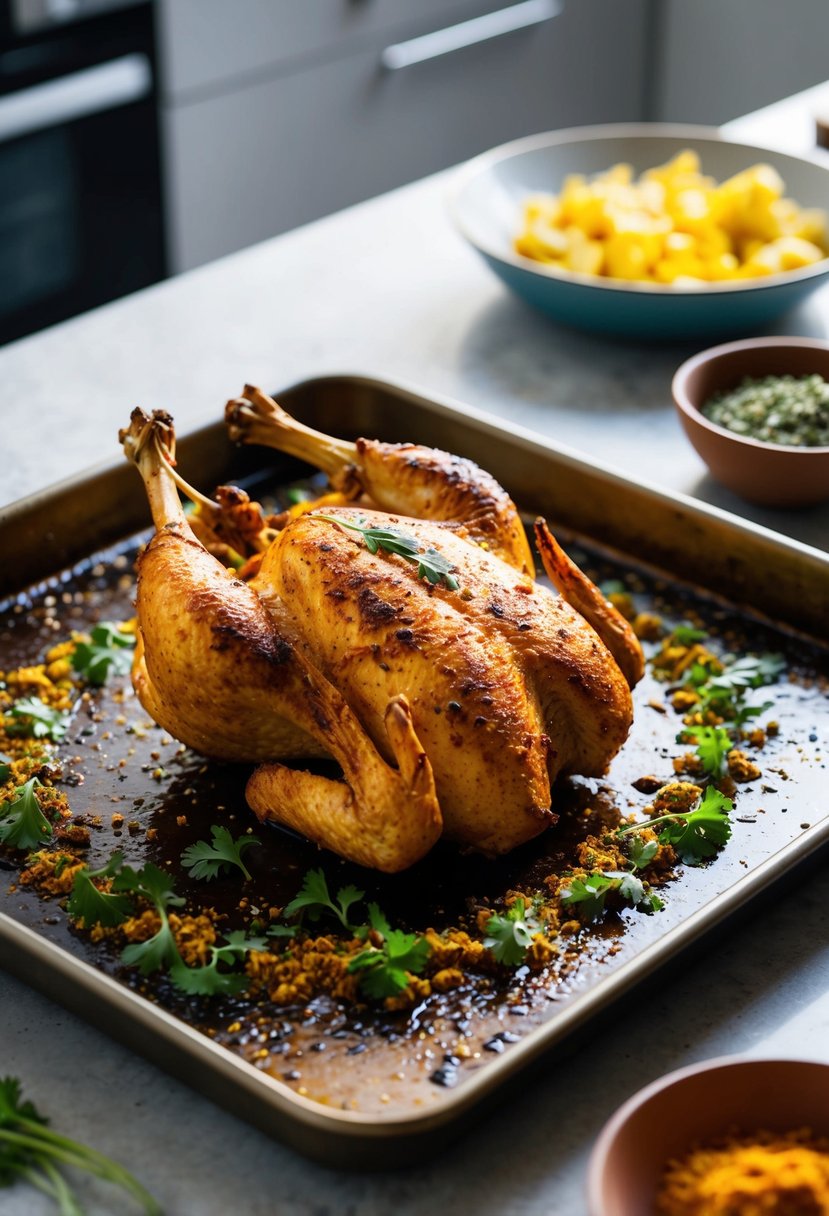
735	561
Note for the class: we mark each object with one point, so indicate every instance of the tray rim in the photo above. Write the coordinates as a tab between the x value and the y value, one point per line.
353	1128
447	405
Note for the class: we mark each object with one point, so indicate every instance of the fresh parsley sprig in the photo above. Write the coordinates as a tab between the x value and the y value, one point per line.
160	951
509	936
589	894
108	651
206	859
93	906
713	743
314	898
31	1151
22	823
431	565
384	969
33	718
696	834
209	980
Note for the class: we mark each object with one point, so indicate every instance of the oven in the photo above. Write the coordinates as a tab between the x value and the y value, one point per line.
80	192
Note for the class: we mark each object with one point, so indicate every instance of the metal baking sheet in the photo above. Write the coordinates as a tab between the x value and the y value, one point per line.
735	562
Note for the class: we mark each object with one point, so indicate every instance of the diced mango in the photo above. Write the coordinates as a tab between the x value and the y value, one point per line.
673	225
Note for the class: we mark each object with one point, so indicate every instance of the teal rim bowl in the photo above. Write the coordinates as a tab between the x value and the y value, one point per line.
487	195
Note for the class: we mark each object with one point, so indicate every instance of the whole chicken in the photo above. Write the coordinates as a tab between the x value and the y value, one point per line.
451	688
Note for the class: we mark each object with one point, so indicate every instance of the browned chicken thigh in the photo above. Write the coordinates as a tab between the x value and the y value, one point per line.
451	705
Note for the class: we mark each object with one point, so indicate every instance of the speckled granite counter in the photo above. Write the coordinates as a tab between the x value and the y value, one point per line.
388	289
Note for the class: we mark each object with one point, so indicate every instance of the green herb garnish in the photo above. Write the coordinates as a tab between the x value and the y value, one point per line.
93	906
315	899
431	565
713	743
510	936
31	717
588	895
205	859
30	1151
208	980
109	651
695	834
160	951
383	969
22	823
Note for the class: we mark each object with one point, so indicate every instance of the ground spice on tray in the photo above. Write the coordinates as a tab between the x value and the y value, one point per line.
764	1174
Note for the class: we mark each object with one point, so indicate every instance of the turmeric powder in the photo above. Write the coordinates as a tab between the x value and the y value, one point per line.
764	1174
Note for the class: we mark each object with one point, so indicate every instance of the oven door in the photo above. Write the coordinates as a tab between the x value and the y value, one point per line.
80	197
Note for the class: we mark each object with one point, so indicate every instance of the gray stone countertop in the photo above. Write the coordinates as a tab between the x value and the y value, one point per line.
388	289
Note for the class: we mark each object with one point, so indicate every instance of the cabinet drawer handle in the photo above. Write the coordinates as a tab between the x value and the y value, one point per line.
468	33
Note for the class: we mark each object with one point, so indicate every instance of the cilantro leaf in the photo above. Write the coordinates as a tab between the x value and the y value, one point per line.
208	980
109	651
282	931
749	671
641	852
315	898
713	745
205	859
12	1107
699	833
510	936
36	720
94	906
159	951
22	823
383	969
5	769
587	894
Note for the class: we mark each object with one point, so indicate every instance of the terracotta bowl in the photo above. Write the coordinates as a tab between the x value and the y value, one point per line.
770	474
697	1104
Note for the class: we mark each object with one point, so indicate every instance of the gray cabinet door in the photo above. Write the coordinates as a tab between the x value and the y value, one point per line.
257	161
723	58
210	44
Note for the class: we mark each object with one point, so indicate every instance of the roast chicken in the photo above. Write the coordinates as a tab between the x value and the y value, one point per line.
450	701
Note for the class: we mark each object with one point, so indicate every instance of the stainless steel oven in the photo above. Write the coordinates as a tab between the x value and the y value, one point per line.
80	192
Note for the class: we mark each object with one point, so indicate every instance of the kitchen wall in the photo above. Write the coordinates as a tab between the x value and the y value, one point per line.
718	59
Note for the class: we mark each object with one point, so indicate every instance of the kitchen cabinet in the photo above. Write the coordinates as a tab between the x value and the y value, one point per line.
276	113
718	59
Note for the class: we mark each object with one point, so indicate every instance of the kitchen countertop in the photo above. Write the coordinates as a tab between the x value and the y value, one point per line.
387	289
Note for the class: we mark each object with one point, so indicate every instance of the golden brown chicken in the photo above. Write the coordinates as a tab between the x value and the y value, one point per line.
451	687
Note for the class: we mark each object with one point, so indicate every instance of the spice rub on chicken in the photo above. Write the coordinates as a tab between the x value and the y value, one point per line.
398	631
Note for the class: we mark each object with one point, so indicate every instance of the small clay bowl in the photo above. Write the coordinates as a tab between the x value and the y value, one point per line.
770	474
696	1105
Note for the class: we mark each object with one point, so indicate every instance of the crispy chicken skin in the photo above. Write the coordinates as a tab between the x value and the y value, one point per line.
449	709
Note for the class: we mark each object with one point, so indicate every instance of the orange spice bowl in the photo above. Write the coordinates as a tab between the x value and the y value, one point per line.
695	1106
770	474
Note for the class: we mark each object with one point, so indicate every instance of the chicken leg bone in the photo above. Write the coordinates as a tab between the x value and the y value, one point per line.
401	478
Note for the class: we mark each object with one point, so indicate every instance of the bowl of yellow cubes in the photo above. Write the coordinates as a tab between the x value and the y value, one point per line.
652	230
